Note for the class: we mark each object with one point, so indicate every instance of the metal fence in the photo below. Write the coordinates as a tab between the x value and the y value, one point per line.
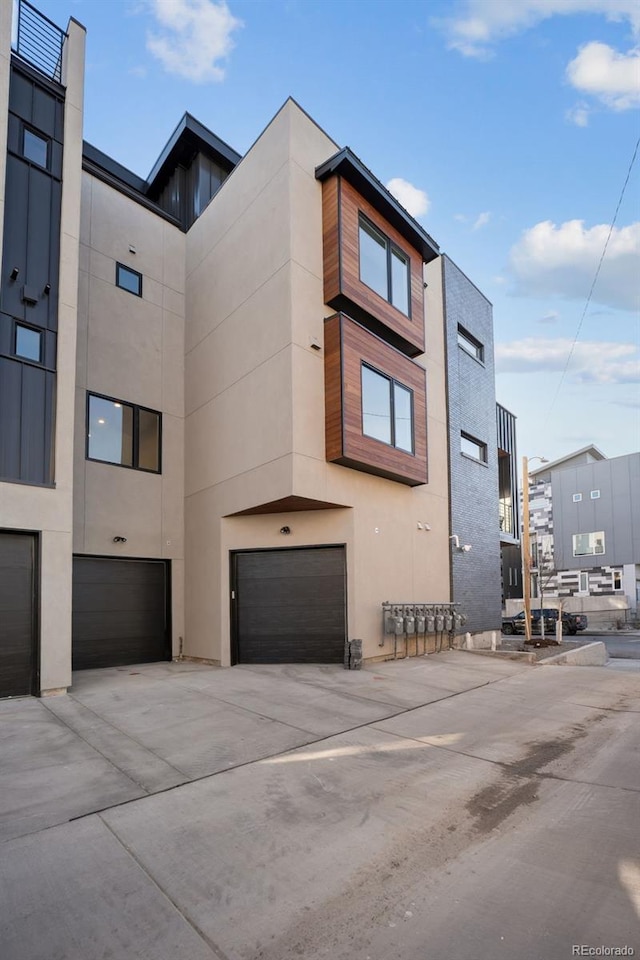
38	40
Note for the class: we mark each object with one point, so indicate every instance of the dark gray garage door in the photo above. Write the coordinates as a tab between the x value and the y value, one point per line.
120	612
17	614
289	606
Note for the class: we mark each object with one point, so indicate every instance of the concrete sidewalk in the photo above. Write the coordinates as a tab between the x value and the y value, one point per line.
327	804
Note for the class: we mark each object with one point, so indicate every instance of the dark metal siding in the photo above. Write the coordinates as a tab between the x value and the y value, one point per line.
17	614
290	605
32	248
120	612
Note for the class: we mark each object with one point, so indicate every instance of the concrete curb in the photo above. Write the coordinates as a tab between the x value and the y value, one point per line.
523	656
591	655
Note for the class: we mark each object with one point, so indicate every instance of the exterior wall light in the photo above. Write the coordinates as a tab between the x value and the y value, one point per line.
119	539
285	530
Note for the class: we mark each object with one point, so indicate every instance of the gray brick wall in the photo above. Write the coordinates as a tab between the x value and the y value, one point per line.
473	485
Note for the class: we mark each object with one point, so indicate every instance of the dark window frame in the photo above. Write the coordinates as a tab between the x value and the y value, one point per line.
39	136
19	356
482	446
475	348
135	441
392	382
135	273
390	248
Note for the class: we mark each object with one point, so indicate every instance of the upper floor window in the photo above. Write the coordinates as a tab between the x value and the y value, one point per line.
35	148
588	544
123	434
387	410
129	279
473	448
470	345
577	497
383	266
28	343
595	494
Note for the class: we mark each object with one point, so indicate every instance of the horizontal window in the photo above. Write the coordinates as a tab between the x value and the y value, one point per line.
383	266
470	345
473	448
588	544
595	494
387	410
123	434
128	279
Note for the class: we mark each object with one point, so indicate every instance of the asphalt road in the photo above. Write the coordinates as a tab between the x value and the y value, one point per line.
617	646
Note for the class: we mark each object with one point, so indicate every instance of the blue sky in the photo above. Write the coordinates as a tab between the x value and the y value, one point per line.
511	122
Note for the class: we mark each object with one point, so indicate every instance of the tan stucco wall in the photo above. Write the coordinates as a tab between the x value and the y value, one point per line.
131	348
49	510
255	403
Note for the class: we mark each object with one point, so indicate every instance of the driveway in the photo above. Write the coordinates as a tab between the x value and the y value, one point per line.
451	807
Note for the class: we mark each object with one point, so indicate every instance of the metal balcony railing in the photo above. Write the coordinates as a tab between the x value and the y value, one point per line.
38	40
505	512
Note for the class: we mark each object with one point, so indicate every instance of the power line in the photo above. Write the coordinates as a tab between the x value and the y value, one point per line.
597	274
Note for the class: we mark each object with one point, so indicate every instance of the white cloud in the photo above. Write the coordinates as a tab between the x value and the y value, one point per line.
551	260
591	361
415	201
482	220
578	114
195	36
552	317
485	22
602	72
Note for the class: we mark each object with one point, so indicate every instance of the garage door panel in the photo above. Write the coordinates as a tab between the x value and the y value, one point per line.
119	612
291	605
17	614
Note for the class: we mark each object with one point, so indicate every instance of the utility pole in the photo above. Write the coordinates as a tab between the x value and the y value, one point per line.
526	550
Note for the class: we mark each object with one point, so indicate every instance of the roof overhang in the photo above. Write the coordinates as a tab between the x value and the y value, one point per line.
189	138
347	165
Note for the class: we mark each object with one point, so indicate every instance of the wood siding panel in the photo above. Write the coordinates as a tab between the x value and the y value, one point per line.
331	237
344	407
343	288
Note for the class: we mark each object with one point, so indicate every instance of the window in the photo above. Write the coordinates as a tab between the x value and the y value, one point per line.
128	279
384	267
471	447
123	434
470	345
577	497
588	544
595	494
35	148
583	582
387	410
617	580
28	343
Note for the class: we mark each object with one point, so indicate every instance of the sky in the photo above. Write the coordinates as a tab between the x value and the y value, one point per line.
506	127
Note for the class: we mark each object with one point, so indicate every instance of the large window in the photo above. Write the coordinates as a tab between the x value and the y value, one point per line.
588	544
383	266
387	410
123	433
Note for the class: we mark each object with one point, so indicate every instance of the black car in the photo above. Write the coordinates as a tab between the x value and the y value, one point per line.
571	622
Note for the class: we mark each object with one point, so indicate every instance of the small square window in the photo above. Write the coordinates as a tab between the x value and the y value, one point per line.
35	148
128	279
595	494
577	497
28	343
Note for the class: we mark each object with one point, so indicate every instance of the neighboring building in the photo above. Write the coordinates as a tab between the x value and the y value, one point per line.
509	506
482	454
223	396
585	527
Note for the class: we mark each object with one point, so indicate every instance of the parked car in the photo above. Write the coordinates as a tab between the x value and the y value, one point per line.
571	622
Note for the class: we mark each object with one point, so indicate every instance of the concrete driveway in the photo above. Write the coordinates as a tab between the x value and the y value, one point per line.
451	807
